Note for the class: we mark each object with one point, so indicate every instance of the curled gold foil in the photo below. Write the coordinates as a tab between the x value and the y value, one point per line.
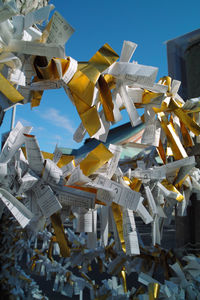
161	152
47	155
148	96
36	95
64	160
153	289
60	235
50	250
135	184
82	88
117	213
166	80
187	140
172	188
95	159
183	116
172	138
189	123
91	121
106	99
123	275
36	98
9	90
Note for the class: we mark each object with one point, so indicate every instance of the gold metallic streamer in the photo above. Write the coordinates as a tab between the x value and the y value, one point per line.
187	140
172	138
106	99
136	184
123	275
64	160
161	152
60	235
90	120
172	188
95	159
189	123
117	213
148	96
153	289
9	90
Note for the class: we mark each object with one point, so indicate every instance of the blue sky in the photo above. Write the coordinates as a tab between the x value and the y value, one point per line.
147	23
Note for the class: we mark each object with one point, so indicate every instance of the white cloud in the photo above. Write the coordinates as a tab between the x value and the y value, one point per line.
53	115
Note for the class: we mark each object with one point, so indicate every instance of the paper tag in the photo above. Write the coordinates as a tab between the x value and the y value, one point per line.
46	200
144	214
19	211
60	30
70	71
27	182
74	197
130	233
130	107
151	201
150	174
79	133
14	141
84	220
77	177
113	162
136	74
34	155
104	217
35	48
51	172
123	196
67	169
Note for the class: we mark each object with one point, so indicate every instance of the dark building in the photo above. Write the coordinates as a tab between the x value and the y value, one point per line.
183	55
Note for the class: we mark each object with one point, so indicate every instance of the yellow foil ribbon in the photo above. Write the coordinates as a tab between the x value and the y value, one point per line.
64	160
172	188
118	217
166	80
161	152
123	275
47	155
106	99
148	96
187	140
82	88
9	90
183	116
36	98
90	120
60	235
135	184
172	138
95	159
153	289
